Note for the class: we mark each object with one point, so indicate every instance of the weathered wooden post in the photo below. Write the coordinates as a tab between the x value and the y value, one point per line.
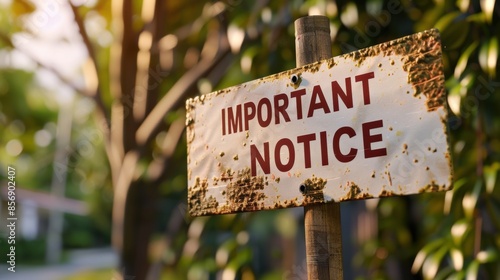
322	221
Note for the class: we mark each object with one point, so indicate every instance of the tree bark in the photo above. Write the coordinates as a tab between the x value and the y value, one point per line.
138	227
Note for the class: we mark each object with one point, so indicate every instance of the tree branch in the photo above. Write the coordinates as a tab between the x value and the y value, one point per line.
83	33
158	169
174	134
183	86
125	178
122	70
96	94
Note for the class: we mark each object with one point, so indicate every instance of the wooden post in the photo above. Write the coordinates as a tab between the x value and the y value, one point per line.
323	231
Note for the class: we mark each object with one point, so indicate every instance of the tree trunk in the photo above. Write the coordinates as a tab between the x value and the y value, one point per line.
138	226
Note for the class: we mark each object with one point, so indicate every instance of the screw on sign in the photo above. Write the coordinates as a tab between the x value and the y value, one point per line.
371	123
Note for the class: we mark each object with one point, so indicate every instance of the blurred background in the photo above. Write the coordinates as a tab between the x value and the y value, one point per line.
92	119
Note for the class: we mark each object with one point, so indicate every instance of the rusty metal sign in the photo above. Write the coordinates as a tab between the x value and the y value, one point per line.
371	123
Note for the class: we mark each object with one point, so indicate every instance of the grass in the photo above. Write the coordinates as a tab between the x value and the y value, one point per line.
98	274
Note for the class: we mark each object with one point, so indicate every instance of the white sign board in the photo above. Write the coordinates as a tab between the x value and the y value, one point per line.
371	123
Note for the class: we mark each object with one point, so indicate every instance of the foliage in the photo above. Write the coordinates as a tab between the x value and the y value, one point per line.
464	235
455	234
28	129
30	252
101	274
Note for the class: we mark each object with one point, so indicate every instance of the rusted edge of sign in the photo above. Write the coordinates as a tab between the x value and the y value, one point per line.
421	57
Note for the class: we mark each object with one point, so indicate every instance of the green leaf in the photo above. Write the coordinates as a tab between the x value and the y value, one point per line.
472	270
422	254
483	56
490	178
469	201
446	20
457	276
459	230
463	5
454	29
464	58
457	258
454	99
444	273
432	263
492	57
477	18
429	18
488	6
490	255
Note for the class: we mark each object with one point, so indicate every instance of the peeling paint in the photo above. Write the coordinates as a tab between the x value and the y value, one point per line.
331	63
197	202
432	187
244	192
386	193
353	192
421	57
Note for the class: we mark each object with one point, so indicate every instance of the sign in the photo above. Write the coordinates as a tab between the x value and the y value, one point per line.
371	123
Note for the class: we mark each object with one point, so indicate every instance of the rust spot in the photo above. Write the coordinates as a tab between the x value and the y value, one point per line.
364	196
386	193
432	187
197	202
244	192
353	192
287	203
390	179
313	67
222	154
226	175
373	174
202	98
421	57
235	157
331	63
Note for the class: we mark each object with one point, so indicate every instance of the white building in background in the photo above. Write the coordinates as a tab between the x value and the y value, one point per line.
33	207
